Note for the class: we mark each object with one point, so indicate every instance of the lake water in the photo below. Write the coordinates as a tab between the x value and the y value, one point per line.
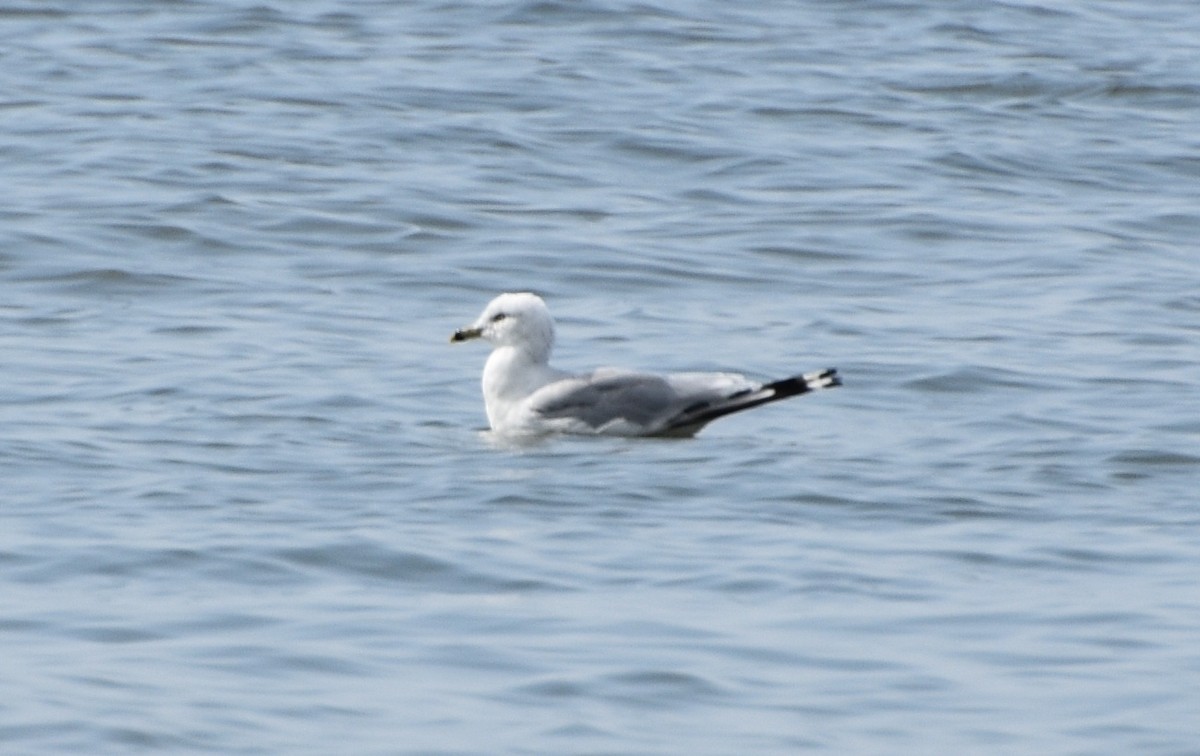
246	503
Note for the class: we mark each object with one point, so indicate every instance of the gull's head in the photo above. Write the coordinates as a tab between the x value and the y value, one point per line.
516	320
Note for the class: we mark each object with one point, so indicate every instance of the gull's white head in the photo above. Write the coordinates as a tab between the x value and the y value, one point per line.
521	321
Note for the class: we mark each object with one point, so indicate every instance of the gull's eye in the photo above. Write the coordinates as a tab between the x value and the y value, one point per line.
498	317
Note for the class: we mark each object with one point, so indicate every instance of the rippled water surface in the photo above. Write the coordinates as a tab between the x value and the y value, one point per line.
247	504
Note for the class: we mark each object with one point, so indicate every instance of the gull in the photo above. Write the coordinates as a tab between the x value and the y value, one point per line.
524	396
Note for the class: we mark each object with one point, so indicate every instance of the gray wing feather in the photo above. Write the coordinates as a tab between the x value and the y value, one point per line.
679	404
637	398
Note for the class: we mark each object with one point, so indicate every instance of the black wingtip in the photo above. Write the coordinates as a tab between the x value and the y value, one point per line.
799	384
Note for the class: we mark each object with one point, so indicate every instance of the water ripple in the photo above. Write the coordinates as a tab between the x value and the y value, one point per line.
247	502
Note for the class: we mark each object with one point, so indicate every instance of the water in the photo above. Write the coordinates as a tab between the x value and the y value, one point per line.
247	506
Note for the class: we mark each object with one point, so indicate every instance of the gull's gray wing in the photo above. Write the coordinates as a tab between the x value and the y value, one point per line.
630	403
607	400
643	404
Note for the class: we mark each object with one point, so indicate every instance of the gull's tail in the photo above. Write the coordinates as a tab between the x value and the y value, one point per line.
698	415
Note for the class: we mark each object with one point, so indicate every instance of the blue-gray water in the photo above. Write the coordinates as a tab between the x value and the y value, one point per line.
245	503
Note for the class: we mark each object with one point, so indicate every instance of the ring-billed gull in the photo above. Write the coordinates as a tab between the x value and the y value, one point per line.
525	396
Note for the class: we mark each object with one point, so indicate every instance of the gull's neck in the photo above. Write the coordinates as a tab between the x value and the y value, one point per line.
510	375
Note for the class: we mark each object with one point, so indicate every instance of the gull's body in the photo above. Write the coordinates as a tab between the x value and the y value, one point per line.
525	396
